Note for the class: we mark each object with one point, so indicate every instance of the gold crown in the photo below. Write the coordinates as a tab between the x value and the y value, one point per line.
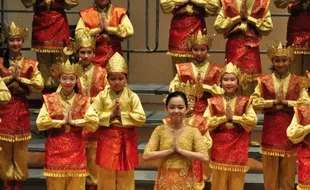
231	68
280	51
117	64
66	67
84	38
199	39
14	30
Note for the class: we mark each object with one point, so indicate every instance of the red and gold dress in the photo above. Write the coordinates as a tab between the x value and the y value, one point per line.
65	158
176	171
15	130
298	133
5	94
107	42
229	152
90	84
194	73
117	145
188	18
243	37
50	31
278	151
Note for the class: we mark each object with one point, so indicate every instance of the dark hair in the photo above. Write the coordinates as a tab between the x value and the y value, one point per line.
6	58
176	94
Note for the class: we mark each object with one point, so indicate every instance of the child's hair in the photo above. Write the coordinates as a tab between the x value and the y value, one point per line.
176	94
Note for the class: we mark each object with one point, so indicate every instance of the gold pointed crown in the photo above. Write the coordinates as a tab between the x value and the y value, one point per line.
200	39
65	67
14	30
117	64
231	68
280	51
84	38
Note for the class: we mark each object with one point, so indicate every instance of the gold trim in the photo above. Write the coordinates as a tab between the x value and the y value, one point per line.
303	187
228	167
15	138
176	54
276	153
59	173
91	144
43	50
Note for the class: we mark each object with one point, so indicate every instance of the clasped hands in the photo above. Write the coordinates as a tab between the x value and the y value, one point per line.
116	111
68	117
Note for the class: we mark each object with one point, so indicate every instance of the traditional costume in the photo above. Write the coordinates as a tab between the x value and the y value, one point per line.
117	145
298	133
15	130
109	41
5	94
298	32
243	36
176	171
50	32
65	165
229	152
90	83
279	153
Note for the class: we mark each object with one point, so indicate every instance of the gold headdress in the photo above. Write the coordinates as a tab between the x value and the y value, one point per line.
231	68
84	38
117	64
280	51
200	39
14	30
65	67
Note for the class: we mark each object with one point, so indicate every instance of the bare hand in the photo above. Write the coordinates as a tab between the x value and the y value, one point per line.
174	142
70	120
116	112
66	116
103	22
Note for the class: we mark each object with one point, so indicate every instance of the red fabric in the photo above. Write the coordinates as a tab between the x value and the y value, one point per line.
230	146
105	48
243	51
181	27
50	28
65	151
298	30
117	148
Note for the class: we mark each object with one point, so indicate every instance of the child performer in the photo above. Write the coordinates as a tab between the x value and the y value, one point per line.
230	119
276	94
119	111
65	164
21	76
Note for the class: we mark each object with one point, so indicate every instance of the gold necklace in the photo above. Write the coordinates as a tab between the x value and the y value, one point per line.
67	97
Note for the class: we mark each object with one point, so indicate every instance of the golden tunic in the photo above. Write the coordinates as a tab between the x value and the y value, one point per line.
5	94
176	171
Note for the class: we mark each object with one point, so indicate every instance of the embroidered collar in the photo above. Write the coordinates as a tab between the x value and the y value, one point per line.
105	9
227	98
281	77
88	67
199	65
64	97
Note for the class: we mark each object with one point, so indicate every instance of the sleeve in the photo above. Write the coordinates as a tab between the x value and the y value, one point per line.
207	140
136	117
169	5
303	99
69	4
282	4
199	144
263	25
123	30
248	120
210	6
35	83
89	124
258	102
81	25
213	121
7	80
28	3
153	144
96	112
44	121
5	94
296	132
214	89
224	24
173	83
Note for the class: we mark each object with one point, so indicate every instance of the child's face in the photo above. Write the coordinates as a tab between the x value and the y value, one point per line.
15	43
199	52
117	81
86	55
281	64
67	82
102	3
229	83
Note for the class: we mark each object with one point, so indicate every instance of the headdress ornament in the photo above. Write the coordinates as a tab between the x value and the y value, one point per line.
117	64
65	67
14	30
84	38
280	51
200	39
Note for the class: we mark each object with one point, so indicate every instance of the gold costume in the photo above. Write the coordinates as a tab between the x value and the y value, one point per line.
5	94
176	171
